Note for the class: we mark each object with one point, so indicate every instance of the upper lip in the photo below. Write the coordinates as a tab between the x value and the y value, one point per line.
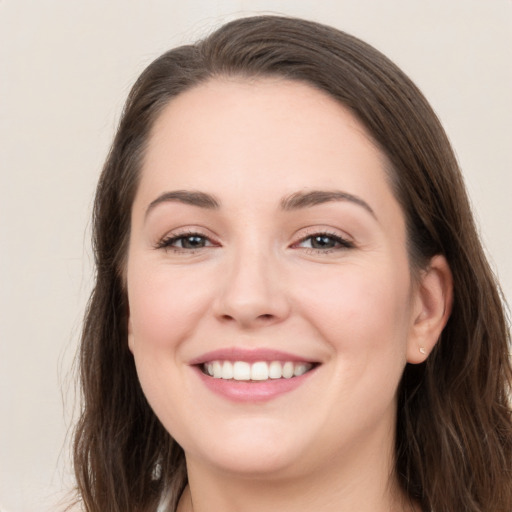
249	355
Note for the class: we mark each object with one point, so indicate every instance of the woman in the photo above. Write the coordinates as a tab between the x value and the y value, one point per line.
292	307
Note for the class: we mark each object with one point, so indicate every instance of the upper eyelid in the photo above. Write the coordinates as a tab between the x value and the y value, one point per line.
165	241
188	231
305	233
344	243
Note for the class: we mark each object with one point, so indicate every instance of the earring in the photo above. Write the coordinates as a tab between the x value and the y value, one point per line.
156	474
422	350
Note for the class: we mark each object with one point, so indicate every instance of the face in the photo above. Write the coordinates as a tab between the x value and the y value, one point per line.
268	280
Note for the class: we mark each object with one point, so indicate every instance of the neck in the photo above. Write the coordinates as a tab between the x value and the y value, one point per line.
260	497
359	481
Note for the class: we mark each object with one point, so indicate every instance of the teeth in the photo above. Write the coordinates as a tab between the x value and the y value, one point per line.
288	370
217	369
227	370
241	370
258	371
275	370
300	369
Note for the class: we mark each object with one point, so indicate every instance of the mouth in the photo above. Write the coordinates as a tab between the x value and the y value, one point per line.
257	371
253	375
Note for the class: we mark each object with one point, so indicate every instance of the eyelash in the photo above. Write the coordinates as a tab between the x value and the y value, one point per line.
167	242
340	243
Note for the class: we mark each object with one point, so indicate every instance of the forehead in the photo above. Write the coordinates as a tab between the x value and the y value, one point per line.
229	109
262	137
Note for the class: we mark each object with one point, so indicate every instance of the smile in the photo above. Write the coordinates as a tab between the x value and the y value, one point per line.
253	374
257	371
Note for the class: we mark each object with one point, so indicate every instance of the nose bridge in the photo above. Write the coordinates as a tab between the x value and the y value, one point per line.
252	292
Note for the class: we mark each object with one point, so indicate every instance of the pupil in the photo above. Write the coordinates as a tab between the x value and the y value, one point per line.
322	242
193	242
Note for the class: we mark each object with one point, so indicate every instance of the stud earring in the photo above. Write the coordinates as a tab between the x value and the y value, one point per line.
422	350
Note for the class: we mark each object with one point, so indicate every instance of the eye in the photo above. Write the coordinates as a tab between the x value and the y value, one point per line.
324	242
185	242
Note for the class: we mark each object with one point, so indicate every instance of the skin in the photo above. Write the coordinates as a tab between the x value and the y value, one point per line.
257	282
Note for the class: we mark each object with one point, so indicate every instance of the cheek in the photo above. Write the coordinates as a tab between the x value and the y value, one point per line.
165	305
360	308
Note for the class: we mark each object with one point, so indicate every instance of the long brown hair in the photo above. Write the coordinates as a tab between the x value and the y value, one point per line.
454	426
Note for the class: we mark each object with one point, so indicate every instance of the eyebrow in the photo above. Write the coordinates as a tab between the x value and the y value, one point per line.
296	201
194	198
301	200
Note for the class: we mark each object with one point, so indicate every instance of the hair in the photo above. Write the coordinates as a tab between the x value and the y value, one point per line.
454	427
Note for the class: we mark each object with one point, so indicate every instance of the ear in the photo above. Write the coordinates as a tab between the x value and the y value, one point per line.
131	340
432	305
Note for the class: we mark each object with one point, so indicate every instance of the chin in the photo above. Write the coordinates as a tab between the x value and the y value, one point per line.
253	453
254	464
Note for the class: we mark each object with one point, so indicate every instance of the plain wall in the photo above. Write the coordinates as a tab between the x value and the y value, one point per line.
65	69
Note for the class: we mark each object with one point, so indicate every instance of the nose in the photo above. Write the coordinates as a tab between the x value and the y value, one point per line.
253	291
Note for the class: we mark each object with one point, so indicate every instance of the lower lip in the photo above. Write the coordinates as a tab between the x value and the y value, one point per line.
252	391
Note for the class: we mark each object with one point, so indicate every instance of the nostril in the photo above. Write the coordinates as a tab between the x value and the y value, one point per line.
264	319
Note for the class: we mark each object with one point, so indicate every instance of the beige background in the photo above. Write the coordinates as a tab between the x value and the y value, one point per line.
65	69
